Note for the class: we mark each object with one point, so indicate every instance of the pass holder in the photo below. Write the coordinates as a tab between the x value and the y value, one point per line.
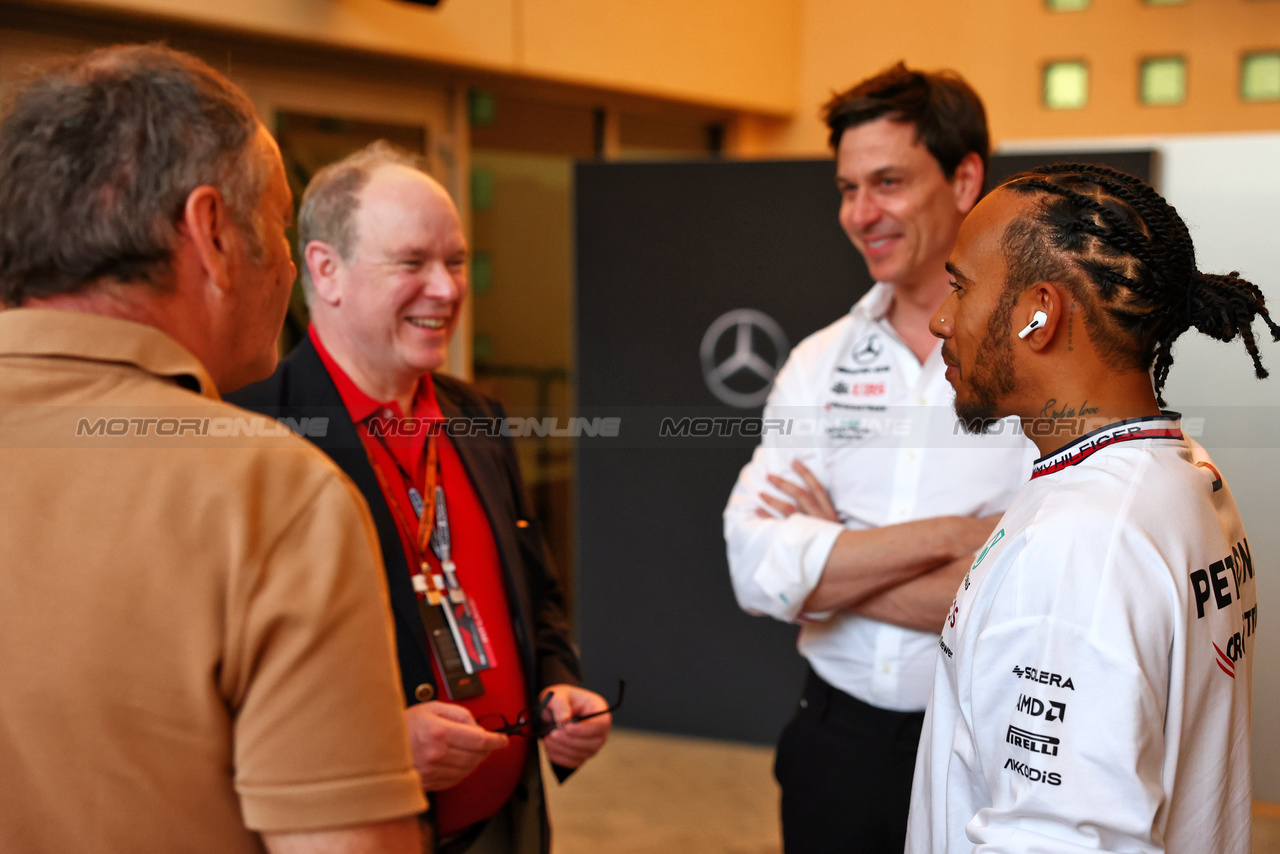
441	544
443	636
415	498
461	614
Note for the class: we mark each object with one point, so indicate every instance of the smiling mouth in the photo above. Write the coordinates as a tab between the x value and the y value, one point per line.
428	322
879	246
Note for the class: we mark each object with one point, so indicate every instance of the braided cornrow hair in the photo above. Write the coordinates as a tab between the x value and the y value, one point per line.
1138	266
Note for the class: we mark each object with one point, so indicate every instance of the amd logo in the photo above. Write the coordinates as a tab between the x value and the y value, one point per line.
1055	711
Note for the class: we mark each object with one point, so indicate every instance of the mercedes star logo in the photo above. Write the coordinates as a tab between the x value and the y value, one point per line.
743	377
868	349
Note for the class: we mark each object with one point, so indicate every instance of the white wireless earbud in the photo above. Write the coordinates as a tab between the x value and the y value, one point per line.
1037	320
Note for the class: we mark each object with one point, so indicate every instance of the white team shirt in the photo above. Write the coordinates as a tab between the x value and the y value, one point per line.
877	428
1093	686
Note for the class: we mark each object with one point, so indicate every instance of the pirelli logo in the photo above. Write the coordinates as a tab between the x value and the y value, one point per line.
1046	745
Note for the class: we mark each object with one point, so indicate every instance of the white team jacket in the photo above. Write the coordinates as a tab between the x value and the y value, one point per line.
878	429
1093	679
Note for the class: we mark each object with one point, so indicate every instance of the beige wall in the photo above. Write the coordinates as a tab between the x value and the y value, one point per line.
774	62
290	81
739	54
1001	46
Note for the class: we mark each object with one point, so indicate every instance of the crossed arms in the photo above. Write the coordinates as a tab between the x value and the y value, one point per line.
904	574
791	558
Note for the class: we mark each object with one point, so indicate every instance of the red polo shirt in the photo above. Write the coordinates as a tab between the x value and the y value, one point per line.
479	571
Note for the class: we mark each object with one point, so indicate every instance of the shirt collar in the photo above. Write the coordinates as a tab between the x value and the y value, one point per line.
1163	426
875	303
874	308
361	406
98	338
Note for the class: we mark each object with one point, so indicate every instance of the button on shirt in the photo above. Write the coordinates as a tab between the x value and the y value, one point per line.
877	428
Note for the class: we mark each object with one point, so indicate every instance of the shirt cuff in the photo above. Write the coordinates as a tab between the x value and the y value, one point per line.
793	567
332	803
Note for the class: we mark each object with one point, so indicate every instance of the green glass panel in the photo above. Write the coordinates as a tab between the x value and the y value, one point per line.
481	189
481	348
1260	77
1164	81
1066	85
481	271
1067	5
482	107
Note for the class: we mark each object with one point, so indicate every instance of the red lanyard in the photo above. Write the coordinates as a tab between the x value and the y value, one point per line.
444	608
428	478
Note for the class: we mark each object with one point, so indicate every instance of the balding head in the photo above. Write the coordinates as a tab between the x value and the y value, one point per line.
386	263
330	202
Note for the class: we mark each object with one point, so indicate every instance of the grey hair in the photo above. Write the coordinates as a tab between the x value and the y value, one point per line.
100	153
330	202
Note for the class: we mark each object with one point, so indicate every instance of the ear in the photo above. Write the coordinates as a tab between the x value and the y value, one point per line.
1048	298
206	223
966	183
324	264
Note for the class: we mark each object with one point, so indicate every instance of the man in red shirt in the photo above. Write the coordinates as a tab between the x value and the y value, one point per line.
480	627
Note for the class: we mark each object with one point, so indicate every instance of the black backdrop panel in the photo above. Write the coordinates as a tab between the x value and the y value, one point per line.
666	248
663	251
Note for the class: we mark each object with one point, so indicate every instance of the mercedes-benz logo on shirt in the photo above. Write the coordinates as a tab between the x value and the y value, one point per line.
868	349
742	351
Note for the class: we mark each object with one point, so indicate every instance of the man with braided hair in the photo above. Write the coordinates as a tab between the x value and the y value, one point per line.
1093	683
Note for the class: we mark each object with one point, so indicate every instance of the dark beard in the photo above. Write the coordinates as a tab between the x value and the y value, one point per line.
981	412
975	419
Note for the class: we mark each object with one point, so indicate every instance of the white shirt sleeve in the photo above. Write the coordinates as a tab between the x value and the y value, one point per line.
776	563
1069	769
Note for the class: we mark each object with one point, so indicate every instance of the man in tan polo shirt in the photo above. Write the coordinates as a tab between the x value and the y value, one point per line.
195	646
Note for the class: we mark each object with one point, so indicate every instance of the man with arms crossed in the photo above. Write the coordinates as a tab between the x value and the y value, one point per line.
862	532
1092	689
194	639
385	276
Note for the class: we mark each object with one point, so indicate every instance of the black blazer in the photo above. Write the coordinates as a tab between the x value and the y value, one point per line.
301	388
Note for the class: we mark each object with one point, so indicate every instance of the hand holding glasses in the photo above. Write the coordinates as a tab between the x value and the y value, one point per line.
537	723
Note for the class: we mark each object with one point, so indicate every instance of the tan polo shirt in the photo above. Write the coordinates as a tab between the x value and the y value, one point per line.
194	630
